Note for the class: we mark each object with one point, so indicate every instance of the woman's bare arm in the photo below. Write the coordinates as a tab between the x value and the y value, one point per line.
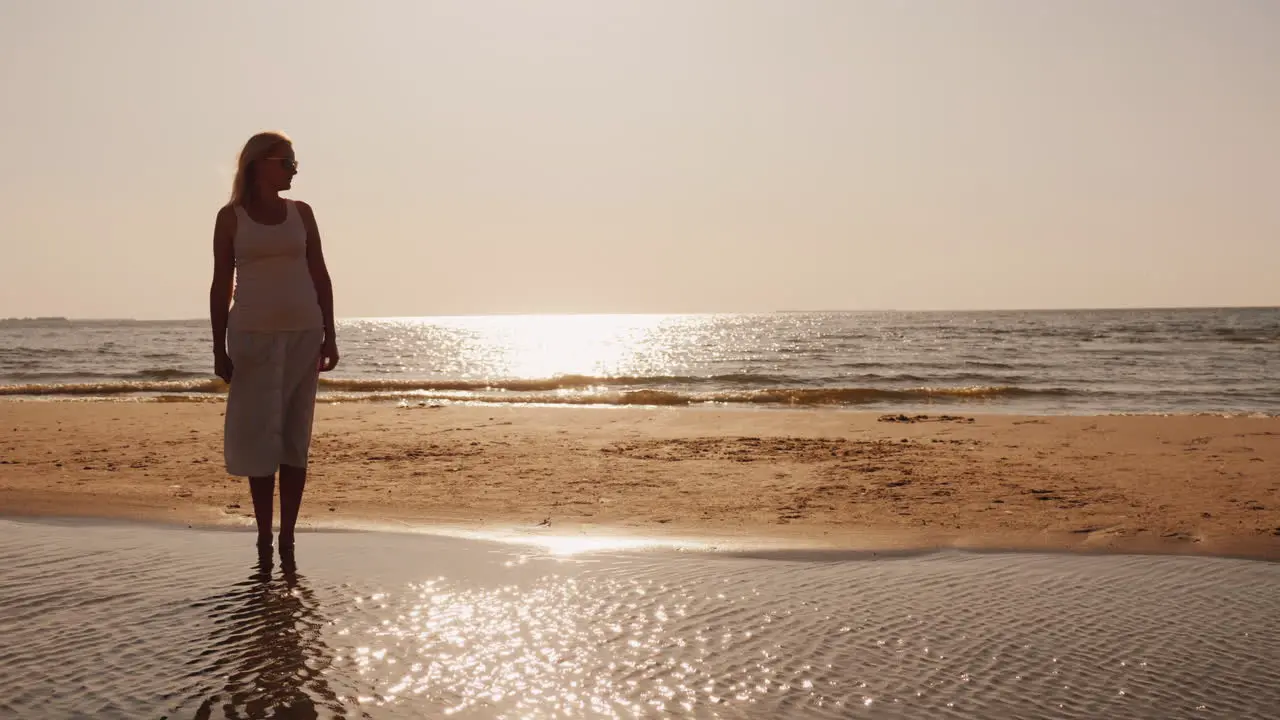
324	284
224	273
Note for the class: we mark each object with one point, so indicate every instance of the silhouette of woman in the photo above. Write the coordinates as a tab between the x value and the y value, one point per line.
272	338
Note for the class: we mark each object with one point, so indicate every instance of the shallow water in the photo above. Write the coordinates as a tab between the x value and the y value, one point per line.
128	621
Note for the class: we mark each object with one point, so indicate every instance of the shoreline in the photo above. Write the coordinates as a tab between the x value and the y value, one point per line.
795	482
399	400
755	547
402	402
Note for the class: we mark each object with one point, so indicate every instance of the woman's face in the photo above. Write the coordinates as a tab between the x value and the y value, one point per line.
276	169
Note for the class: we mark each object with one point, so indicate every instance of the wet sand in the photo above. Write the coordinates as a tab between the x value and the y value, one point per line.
811	478
125	620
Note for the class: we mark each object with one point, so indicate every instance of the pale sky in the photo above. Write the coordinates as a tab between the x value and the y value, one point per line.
652	155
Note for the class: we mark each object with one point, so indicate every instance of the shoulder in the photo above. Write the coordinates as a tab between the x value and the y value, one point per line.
226	219
305	210
308	215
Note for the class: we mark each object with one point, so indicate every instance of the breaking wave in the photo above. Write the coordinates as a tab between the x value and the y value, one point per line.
564	390
141	375
784	397
114	387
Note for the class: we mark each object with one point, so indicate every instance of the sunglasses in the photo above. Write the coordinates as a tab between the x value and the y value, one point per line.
286	163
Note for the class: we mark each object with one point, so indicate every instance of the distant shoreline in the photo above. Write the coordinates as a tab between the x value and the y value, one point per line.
51	320
926	311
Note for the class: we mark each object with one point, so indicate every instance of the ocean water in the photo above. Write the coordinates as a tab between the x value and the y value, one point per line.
1122	361
122	621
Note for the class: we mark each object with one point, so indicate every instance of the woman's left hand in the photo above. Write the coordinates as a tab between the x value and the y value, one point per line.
328	355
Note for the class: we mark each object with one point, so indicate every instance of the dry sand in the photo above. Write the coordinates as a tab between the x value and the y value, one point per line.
809	478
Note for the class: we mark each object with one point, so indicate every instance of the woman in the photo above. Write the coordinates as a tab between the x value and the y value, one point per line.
273	337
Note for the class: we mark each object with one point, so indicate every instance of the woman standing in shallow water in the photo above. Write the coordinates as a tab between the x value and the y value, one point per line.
275	335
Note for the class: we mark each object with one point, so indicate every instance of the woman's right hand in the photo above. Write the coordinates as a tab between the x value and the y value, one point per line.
222	366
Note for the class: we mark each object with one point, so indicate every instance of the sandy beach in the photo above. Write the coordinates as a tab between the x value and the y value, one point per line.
776	478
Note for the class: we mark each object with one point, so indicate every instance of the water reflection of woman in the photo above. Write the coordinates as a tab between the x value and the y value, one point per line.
268	646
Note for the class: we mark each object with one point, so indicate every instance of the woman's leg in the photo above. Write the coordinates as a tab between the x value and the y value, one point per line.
301	383
251	421
263	490
292	482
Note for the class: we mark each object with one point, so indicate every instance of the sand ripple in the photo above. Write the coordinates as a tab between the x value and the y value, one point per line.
125	621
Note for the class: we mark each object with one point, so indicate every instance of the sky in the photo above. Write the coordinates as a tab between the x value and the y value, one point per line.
476	156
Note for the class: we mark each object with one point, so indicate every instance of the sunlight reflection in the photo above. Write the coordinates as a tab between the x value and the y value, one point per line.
543	346
538	346
568	545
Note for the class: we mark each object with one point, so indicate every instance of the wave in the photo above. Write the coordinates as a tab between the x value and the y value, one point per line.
23	351
768	385
135	381
865	395
559	382
125	387
574	390
1246	339
147	374
170	381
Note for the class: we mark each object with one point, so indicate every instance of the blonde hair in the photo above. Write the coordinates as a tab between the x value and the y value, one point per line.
254	149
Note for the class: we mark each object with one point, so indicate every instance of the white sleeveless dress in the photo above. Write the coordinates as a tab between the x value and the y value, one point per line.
274	333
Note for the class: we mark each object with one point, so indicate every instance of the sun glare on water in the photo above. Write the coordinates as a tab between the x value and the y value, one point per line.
549	345
544	346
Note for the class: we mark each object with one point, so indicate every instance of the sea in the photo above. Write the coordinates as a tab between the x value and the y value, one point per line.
1223	361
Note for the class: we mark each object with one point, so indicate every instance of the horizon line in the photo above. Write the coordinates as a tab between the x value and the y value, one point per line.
1132	308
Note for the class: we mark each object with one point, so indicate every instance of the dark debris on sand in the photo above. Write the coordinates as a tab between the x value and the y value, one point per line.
923	418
